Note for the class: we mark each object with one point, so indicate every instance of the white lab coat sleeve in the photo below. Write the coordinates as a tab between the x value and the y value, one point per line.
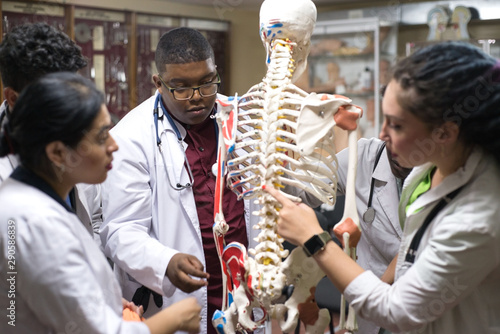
63	293
127	212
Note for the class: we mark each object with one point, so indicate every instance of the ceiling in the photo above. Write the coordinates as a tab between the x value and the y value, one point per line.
254	4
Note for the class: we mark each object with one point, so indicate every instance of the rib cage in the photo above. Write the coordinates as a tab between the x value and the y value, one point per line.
265	144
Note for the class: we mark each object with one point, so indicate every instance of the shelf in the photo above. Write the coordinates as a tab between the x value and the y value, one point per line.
346	59
367	94
330	56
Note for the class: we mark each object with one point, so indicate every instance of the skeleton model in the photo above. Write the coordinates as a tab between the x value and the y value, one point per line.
277	135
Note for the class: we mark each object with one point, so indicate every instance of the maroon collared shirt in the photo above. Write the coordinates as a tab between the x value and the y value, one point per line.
202	154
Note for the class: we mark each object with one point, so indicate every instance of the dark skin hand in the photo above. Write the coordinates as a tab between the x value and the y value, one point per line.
180	269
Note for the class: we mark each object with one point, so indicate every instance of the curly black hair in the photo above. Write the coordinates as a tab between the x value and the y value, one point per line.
28	51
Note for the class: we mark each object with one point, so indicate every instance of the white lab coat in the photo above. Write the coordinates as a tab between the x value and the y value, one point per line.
453	286
146	222
380	239
63	283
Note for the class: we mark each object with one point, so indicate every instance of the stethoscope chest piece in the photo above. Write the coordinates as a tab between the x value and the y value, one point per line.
369	215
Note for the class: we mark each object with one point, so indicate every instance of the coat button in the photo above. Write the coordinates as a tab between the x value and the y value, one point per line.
201	149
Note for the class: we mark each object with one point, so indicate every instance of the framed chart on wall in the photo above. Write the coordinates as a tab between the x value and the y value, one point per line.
104	37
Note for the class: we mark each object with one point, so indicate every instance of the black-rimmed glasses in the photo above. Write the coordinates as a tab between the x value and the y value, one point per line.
186	93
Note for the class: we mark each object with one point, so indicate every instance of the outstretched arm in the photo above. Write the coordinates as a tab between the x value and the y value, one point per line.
389	274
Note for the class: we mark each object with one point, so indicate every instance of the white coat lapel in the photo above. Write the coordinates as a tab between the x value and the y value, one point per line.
82	210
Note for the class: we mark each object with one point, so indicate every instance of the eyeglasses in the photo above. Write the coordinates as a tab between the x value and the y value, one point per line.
187	93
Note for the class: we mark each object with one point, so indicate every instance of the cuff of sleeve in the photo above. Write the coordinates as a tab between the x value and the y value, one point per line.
361	287
136	327
166	285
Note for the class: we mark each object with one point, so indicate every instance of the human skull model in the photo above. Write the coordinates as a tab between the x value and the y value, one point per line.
288	19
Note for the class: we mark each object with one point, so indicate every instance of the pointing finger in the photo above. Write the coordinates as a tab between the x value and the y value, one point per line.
277	195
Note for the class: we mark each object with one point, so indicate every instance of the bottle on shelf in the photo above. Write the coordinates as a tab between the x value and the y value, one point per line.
366	79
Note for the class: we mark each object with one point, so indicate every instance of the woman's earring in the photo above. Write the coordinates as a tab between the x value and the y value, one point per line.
62	168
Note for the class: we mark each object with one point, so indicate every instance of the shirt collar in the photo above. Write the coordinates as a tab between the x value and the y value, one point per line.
450	183
26	176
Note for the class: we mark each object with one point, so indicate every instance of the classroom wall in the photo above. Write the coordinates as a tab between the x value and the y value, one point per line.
246	54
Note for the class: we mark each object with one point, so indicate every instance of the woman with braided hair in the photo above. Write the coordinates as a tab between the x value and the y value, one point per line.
442	118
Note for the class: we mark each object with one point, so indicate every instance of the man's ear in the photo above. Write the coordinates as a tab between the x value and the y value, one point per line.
157	82
11	96
57	153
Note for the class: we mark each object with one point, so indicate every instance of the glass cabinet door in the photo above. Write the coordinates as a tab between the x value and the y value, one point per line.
345	59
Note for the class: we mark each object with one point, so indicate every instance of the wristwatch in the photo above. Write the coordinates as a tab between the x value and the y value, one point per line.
316	243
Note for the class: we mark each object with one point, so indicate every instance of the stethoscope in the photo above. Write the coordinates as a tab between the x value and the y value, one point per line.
158	112
369	215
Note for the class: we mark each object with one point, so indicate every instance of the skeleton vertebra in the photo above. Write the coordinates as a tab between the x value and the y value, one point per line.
276	135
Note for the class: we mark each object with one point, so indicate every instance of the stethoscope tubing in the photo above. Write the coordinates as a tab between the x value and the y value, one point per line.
369	215
156	115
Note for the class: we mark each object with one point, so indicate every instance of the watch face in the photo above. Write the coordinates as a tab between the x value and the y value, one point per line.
316	243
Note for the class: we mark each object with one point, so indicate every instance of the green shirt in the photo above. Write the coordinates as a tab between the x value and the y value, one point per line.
422	187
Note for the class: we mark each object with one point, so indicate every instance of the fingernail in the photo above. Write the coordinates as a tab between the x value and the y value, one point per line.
264	187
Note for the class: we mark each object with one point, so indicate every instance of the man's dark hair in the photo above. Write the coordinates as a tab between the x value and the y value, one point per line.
31	50
182	46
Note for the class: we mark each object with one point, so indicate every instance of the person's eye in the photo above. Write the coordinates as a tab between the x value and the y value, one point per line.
394	126
103	138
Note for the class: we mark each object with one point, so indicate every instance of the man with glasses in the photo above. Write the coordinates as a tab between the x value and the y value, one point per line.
158	201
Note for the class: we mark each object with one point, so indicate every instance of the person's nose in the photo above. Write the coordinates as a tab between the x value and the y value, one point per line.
196	94
383	132
113	146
